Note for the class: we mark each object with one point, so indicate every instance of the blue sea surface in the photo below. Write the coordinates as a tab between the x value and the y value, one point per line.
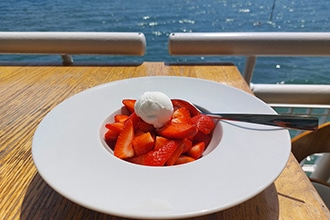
157	19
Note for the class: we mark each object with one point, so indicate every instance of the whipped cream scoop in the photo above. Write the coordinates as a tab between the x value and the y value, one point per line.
155	108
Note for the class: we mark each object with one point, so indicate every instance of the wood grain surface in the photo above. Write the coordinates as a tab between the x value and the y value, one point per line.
28	93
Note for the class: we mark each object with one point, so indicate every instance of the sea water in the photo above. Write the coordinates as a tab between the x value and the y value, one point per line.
157	19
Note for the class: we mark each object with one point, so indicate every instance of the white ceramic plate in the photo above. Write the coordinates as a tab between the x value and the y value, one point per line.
70	156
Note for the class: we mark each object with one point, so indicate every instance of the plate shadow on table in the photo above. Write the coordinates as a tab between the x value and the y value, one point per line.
42	202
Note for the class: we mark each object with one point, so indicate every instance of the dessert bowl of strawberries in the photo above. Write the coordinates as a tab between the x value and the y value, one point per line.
154	130
127	149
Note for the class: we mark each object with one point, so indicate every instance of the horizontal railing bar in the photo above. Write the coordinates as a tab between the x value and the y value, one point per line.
289	105
293	94
102	43
251	44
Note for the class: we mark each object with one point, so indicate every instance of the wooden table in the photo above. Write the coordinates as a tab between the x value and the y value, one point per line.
28	93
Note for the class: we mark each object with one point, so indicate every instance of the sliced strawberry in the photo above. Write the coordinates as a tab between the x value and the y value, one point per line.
113	131
178	104
177	130
111	135
177	153
120	118
116	126
139	124
144	126
184	159
156	157
201	137
160	141
129	104
181	115
204	123
138	132
135	119
187	144
143	143
123	148
196	150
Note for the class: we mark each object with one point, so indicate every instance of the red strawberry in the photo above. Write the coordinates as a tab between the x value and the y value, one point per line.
134	118
177	130
177	153
143	143
129	104
201	137
181	115
156	157
204	123
196	150
116	126
111	135
144	126
123	148
187	144
184	159
113	131
179	104
160	141
120	118
139	124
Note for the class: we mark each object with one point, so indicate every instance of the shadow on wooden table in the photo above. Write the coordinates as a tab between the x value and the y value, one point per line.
42	202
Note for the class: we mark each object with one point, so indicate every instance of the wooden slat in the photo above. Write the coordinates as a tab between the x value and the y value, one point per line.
309	143
28	93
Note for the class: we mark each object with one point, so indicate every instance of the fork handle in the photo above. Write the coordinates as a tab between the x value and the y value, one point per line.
285	121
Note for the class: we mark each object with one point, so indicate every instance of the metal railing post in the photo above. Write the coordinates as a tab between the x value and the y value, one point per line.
249	68
67	60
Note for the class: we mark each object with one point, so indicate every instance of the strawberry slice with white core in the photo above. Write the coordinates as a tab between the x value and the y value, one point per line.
124	148
156	157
